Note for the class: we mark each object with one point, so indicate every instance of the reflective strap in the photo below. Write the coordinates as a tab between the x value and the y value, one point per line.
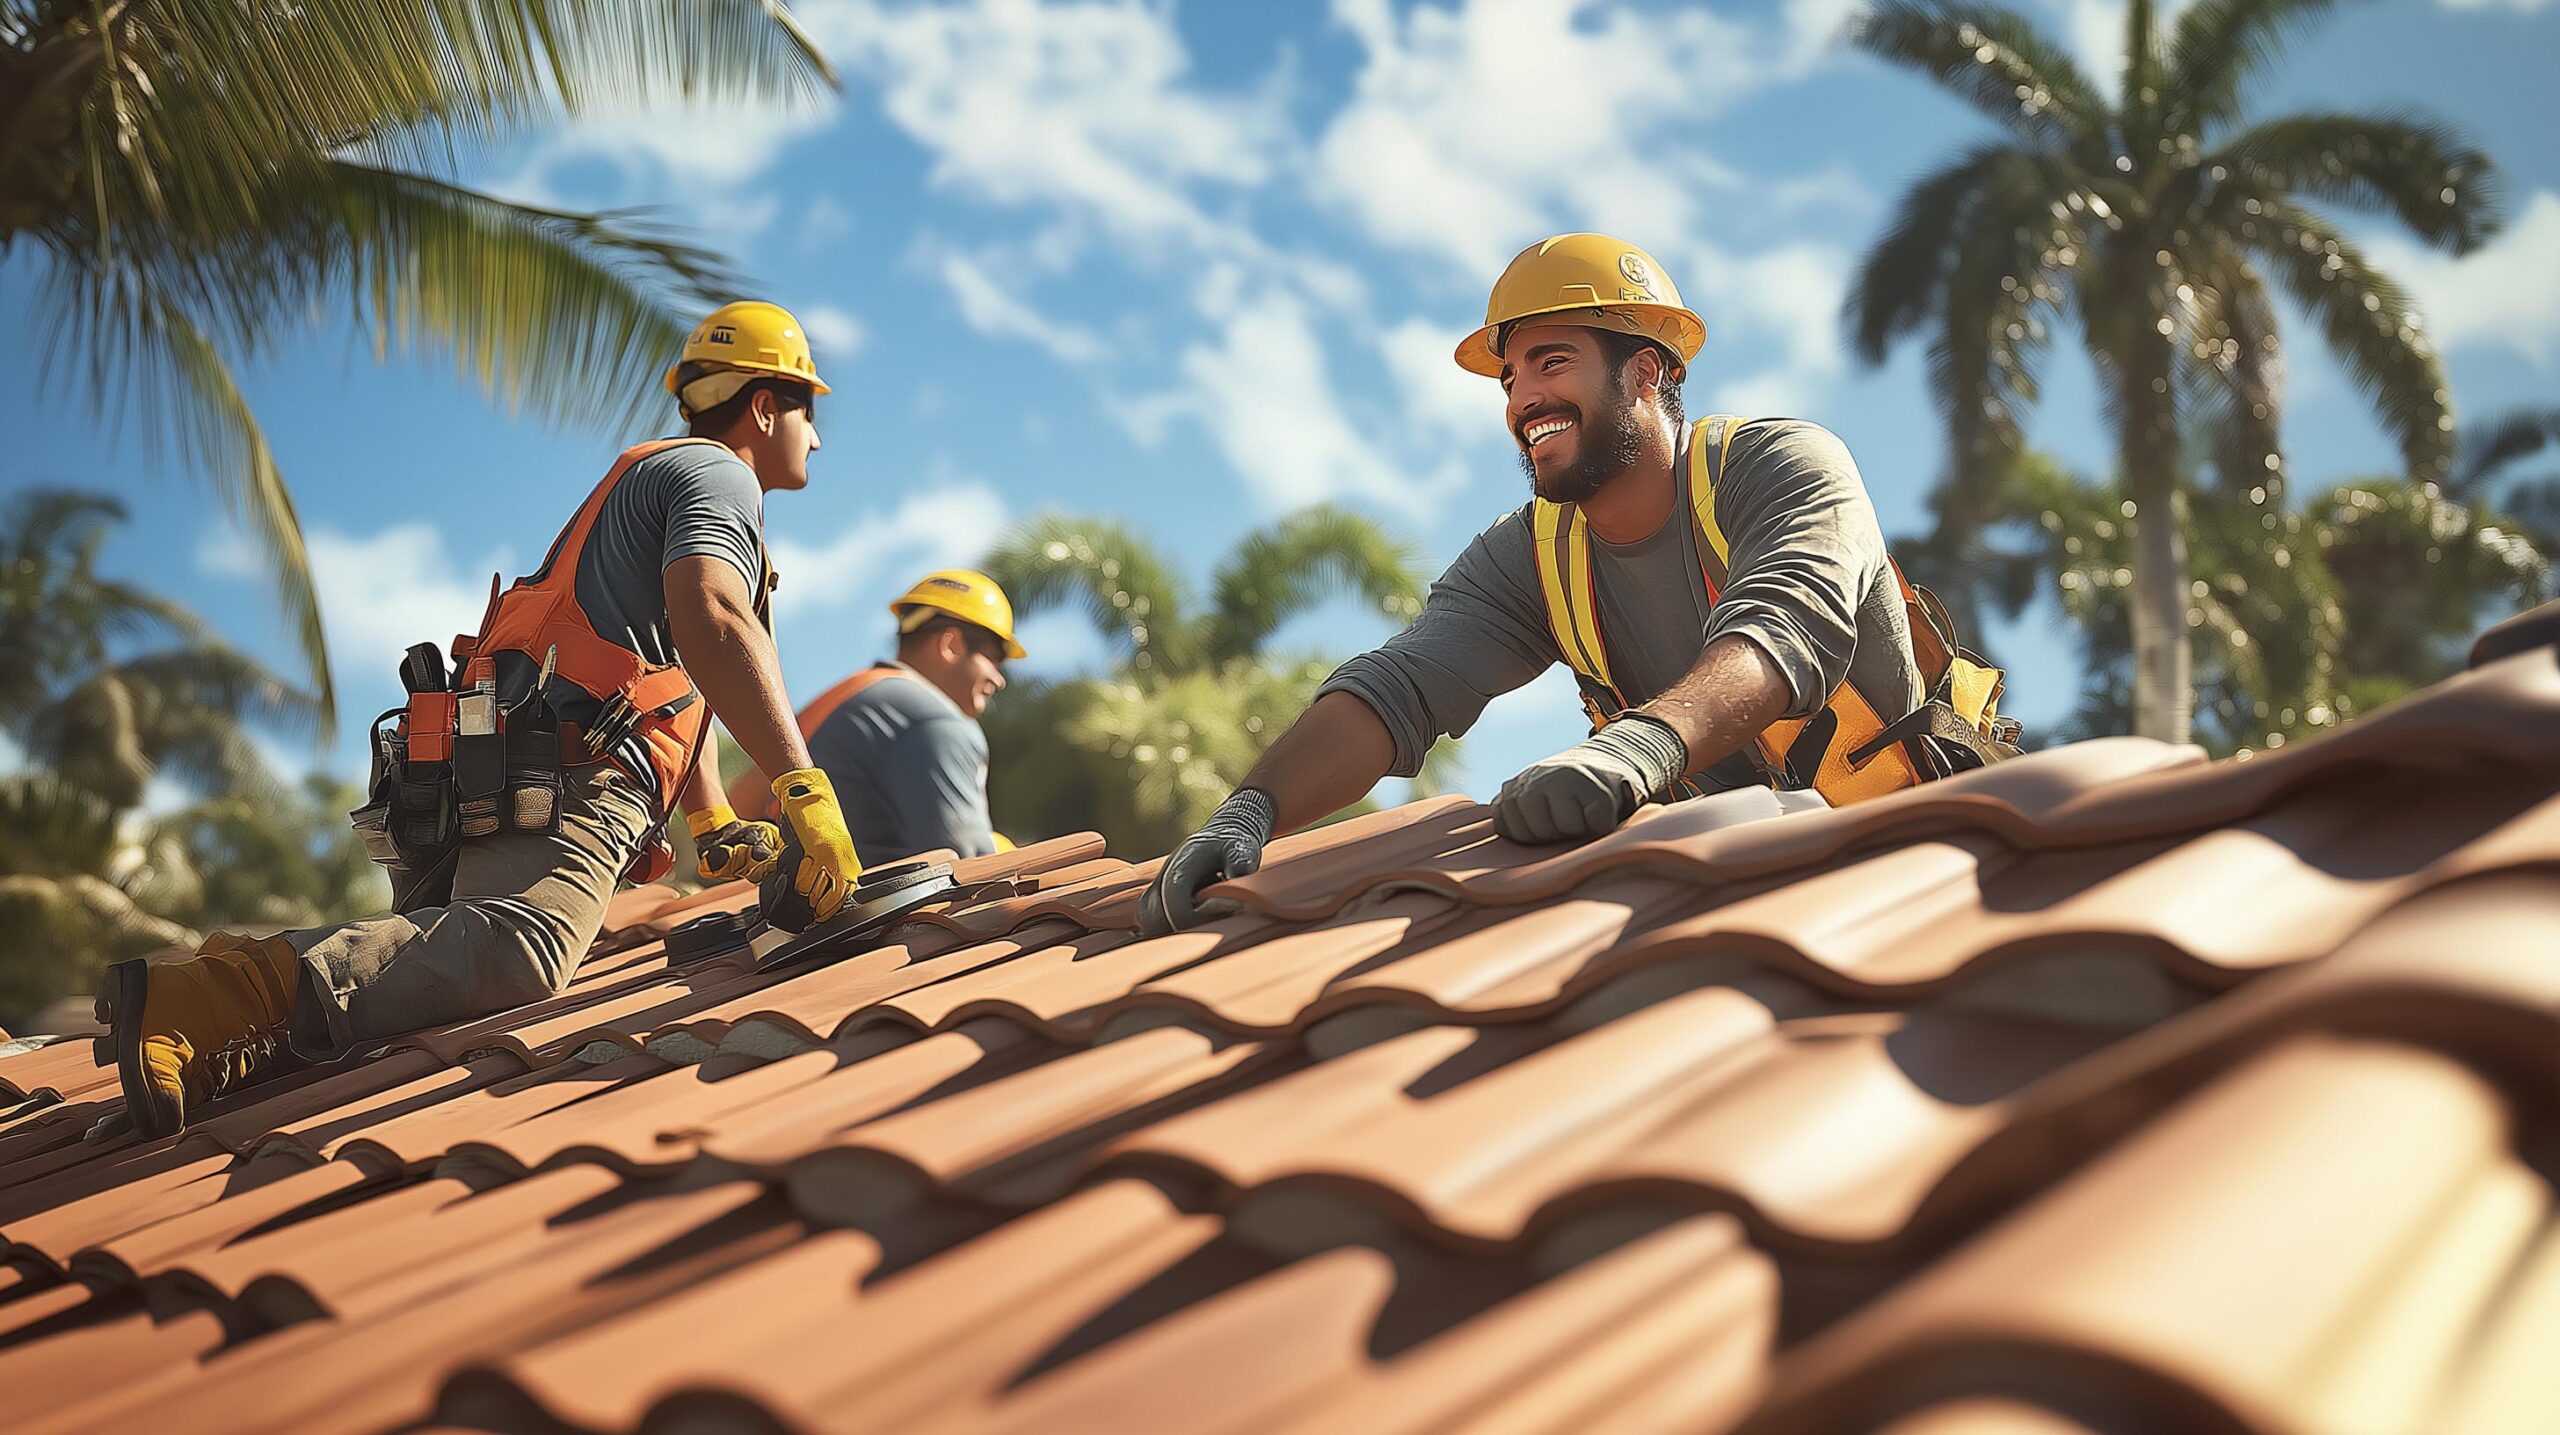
1561	543
1709	442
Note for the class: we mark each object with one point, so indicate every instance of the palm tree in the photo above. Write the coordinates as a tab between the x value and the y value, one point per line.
193	181
84	704
2308	616
1143	754
2483	467
2159	219
104	687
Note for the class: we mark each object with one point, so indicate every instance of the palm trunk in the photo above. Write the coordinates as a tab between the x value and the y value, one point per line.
2147	456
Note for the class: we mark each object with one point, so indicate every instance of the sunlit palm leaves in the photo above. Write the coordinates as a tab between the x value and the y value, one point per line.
199	179
2160	223
2303	616
1145	753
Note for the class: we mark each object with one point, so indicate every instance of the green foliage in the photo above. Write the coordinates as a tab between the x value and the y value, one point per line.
105	688
1143	754
2160	222
194	180
2305	616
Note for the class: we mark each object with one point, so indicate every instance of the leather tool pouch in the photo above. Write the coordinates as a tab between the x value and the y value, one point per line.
534	776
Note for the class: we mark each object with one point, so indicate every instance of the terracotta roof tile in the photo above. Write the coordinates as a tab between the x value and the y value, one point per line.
2106	1090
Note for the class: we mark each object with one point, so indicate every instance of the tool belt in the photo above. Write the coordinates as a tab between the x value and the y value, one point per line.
456	763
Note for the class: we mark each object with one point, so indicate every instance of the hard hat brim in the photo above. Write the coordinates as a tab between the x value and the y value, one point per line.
816	385
1687	332
915	613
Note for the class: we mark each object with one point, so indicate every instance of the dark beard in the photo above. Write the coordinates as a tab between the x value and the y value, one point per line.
1611	443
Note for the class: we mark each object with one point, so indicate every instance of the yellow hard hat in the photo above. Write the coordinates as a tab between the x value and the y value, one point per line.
968	596
749	337
1612	284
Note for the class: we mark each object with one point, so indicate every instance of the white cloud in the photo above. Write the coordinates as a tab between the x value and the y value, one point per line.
1785	300
1472	131
836	333
822	224
1083	104
1262	391
1814	27
1438	396
2506	292
990	309
383	592
939	524
706	152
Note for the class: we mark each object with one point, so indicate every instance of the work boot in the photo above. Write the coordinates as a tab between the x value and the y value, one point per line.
183	1033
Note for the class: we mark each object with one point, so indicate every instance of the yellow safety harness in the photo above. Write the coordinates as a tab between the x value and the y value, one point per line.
1846	751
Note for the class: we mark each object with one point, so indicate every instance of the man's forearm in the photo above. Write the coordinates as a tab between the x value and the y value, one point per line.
730	658
701	791
1731	693
1328	759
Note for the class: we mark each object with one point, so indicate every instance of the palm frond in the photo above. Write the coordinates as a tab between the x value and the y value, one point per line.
568	315
2218	45
2369	323
2447	192
1994	57
183	110
1897	289
1281	570
148	358
2488	448
1128	589
52	827
180	713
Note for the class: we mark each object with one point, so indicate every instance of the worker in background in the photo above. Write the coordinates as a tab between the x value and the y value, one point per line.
522	784
1720	590
900	739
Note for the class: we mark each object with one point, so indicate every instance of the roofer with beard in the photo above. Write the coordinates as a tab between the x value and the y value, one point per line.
1720	589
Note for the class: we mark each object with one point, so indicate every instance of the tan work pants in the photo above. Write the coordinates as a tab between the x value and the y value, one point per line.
525	907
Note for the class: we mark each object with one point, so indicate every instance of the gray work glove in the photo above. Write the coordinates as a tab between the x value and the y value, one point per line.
1230	845
1594	785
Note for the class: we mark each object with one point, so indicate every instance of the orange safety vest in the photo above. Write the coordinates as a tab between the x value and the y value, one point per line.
541	612
1847	751
751	796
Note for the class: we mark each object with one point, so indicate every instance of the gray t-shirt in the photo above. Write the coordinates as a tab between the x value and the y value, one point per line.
909	768
1807	581
681	502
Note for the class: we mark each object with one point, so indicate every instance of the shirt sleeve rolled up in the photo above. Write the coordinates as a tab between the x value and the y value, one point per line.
1804	549
1481	633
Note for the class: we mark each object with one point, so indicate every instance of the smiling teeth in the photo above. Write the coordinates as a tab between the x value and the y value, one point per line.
1543	427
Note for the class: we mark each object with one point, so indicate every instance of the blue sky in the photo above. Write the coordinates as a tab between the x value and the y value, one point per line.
1196	265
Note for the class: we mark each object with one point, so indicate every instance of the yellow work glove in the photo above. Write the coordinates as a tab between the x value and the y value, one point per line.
818	865
726	849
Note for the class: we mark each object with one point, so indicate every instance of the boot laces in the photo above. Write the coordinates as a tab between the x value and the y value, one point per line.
239	1062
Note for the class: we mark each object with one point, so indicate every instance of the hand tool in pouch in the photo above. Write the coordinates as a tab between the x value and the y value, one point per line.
479	759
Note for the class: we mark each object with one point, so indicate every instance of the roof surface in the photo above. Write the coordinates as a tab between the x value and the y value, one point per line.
2107	1090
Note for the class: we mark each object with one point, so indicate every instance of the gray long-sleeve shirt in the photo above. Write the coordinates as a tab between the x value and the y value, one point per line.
909	768
1806	580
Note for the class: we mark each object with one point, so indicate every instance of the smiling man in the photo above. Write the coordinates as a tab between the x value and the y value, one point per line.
1720	590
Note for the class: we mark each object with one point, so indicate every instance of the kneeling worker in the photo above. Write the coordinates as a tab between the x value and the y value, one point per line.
900	739
523	784
1720	590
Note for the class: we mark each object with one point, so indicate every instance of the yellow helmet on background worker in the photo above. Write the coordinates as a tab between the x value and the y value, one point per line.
969	596
1587	279
747	337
